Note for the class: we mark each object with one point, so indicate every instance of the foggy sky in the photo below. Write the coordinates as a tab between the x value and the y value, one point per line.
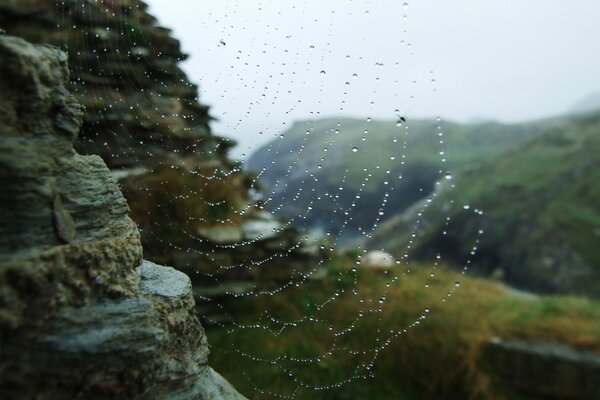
263	64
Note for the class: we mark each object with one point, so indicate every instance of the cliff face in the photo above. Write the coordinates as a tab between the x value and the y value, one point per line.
143	118
81	314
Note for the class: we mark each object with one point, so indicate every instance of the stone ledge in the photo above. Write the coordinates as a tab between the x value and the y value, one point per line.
542	370
157	280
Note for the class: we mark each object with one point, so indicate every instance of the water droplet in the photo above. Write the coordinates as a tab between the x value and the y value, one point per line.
354	149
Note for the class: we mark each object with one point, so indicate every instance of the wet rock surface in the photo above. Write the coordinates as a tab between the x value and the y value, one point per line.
143	118
81	315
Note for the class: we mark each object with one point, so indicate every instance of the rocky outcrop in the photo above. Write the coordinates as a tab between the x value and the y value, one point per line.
81	314
542	370
143	118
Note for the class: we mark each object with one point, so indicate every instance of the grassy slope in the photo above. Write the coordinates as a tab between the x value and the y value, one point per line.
437	359
463	144
320	172
543	193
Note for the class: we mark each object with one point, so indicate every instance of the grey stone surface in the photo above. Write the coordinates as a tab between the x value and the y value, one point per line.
52	196
81	316
140	120
163	281
261	230
209	385
311	244
129	348
35	99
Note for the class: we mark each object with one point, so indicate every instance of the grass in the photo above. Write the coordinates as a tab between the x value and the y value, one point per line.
380	144
541	201
437	358
402	162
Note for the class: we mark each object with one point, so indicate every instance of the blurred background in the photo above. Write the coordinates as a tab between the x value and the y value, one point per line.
497	61
393	200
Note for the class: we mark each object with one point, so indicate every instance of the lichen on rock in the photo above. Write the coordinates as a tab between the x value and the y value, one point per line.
81	315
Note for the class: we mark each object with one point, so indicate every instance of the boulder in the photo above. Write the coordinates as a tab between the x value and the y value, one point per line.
261	230
378	259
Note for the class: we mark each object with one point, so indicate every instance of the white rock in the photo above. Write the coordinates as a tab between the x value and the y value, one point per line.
378	259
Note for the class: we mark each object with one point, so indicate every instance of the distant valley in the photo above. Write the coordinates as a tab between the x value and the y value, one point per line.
304	170
365	181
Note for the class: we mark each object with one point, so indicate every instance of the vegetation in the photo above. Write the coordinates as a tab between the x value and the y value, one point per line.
380	147
542	212
173	202
316	158
537	184
437	358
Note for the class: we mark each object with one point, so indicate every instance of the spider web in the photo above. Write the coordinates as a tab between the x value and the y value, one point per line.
273	63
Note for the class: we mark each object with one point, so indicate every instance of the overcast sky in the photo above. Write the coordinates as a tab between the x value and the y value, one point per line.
263	64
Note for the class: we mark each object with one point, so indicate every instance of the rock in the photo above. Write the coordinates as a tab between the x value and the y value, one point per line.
163	281
119	174
310	244
261	230
543	370
151	343
221	234
81	316
208	385
378	259
262	216
52	196
63	222
37	78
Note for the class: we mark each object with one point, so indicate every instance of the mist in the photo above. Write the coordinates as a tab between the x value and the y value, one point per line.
263	64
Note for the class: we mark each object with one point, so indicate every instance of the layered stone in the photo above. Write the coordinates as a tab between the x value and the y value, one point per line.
81	315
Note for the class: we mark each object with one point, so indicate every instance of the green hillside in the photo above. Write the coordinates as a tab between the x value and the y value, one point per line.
442	357
313	159
541	220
